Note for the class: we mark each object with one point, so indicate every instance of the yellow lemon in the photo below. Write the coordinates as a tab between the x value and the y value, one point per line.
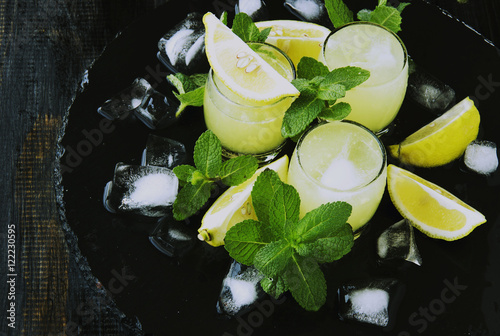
235	205
430	208
240	68
441	141
296	38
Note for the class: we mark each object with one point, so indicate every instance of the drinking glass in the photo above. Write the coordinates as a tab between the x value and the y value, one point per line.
340	161
376	102
244	126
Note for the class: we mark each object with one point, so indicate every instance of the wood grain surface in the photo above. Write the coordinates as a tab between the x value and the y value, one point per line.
45	47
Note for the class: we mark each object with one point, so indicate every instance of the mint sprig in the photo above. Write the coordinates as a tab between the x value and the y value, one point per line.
190	90
319	90
197	182
383	14
245	28
288	250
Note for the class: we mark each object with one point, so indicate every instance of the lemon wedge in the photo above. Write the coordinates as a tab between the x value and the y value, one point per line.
235	205
296	38
441	141
430	208
240	68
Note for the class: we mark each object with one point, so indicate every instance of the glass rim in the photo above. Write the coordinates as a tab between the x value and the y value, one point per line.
318	183
401	43
228	100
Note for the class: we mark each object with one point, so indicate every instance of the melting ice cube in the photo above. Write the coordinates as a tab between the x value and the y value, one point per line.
126	101
309	10
368	301
429	91
157	110
256	9
163	152
182	49
172	237
240	289
398	242
143	190
481	157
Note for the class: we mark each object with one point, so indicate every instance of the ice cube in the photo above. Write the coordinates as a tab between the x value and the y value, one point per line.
309	10
429	91
256	9
182	49
163	152
126	101
481	157
143	190
369	301
157	110
398	242
342	174
173	238
240	289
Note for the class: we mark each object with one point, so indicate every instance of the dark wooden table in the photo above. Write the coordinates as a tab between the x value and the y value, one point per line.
46	287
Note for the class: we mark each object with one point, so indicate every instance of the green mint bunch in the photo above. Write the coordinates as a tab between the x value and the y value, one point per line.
288	250
197	182
190	90
319	90
383	14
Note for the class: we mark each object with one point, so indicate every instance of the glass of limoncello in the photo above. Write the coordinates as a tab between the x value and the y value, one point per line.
340	161
376	102
244	126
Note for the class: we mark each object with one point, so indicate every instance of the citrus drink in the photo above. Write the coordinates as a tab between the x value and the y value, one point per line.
376	102
339	161
245	125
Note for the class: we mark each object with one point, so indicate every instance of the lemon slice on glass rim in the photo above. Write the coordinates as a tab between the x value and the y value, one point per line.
441	141
240	68
430	208
235	205
296	38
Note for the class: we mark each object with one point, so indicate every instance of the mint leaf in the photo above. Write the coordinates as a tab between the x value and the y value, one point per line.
300	114
402	6
223	18
331	248
274	286
306	87
306	282
190	89
337	111
330	91
273	258
184	172
244	27
348	76
190	199
364	15
263	192
338	12
284	209
388	17
245	239
323	221
208	154
237	170
309	68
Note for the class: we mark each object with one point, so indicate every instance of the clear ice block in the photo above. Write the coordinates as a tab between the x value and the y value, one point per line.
157	111
173	238
369	301
398	242
240	289
163	152
142	190
256	9
428	91
309	10
126	101
481	157
182	49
